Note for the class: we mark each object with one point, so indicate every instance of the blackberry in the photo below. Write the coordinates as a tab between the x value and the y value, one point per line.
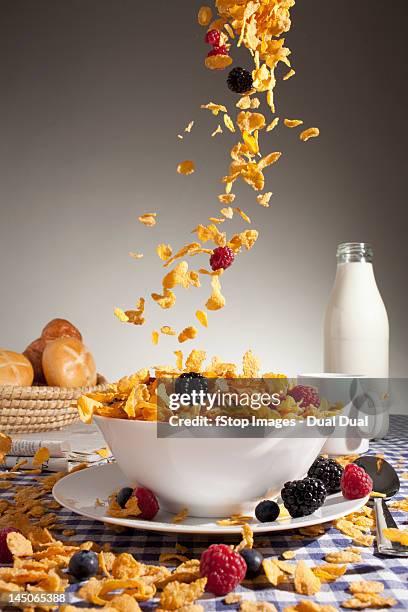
191	381
253	559
123	496
303	497
239	80
267	511
328	471
83	564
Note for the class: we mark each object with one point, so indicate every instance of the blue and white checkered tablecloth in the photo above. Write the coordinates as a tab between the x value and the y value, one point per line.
147	546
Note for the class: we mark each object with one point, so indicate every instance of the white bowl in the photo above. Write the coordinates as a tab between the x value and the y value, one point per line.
212	477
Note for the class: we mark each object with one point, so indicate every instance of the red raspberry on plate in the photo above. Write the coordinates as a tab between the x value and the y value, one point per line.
222	257
305	396
355	483
147	502
223	568
213	37
218	50
5	554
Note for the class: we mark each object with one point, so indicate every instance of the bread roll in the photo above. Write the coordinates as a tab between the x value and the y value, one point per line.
60	328
68	363
15	369
34	353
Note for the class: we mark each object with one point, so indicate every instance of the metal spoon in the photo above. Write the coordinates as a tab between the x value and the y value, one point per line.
386	481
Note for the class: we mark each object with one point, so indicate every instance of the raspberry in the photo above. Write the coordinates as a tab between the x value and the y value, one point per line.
5	554
147	502
218	50
213	37
222	257
223	567
305	396
355	482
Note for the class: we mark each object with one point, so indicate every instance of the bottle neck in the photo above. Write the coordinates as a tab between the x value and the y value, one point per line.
354	252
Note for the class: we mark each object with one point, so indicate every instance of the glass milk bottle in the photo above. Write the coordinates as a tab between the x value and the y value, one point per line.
356	330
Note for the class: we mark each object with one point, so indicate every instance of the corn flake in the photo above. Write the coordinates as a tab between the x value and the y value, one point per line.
214	108
188	333
305	581
216	300
204	15
186	167
176	594
218	62
264	198
41	456
292	123
164	251
202	317
148	219
312	132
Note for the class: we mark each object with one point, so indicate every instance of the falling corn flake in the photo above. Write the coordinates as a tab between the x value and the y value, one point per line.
292	123
263	198
179	359
243	215
216	301
188	333
135	255
226	198
229	123
230	31
103	452
204	15
312	132
218	62
155	337
216	220
228	212
120	314
246	102
214	108
164	251
186	167
168	331
41	456
189	127
165	300
272	125
202	317
148	219
218	130
289	75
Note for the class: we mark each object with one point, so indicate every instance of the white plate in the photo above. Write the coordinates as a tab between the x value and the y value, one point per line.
78	492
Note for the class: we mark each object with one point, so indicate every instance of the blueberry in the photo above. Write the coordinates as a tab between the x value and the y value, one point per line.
123	496
267	511
253	559
83	564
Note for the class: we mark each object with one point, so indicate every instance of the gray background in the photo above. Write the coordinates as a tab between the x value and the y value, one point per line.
93	94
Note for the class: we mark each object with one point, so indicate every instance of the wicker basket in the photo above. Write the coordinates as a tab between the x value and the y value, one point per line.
32	409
